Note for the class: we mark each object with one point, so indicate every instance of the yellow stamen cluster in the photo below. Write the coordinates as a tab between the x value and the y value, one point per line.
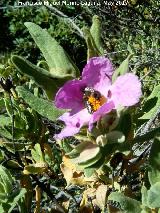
96	104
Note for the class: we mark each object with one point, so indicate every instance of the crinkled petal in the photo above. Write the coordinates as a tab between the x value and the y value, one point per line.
104	109
70	96
126	90
98	74
73	123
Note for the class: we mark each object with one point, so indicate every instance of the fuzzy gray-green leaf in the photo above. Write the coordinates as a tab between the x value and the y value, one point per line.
58	60
96	33
154	196
43	107
123	68
92	50
6	178
42	77
152	104
127	205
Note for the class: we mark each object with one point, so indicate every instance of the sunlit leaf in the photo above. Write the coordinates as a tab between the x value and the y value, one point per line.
37	168
89	155
152	104
128	205
58	60
16	199
92	50
154	161
154	196
6	178
43	107
37	154
96	32
101	196
122	69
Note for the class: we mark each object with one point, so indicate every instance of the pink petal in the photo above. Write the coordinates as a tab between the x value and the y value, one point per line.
104	109
70	96
73	123
98	73
66	132
126	90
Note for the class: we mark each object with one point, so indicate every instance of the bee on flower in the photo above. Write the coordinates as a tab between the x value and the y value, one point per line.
95	95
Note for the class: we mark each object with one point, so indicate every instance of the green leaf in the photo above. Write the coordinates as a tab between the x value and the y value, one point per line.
154	161
2	190
33	123
2	106
5	133
1	155
125	124
37	154
128	205
152	104
5	206
2	209
3	197
154	158
153	176
154	196
89	155
42	77
37	168
115	137
58	60
89	171
43	107
111	137
19	121
22	206
13	164
7	102
25	66
27	184
122	69
144	193
65	145
77	149
4	71
43	64
96	33
92	50
6	179
146	210
19	146
5	121
17	199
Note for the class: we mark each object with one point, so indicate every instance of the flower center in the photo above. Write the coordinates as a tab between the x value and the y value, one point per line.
95	103
93	99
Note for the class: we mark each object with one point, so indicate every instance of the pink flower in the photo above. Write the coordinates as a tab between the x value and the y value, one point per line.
96	76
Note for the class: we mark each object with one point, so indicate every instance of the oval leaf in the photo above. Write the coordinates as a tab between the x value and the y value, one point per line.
154	196
89	155
101	196
128	205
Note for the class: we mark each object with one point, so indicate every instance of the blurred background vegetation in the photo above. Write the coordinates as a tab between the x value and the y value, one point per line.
134	26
